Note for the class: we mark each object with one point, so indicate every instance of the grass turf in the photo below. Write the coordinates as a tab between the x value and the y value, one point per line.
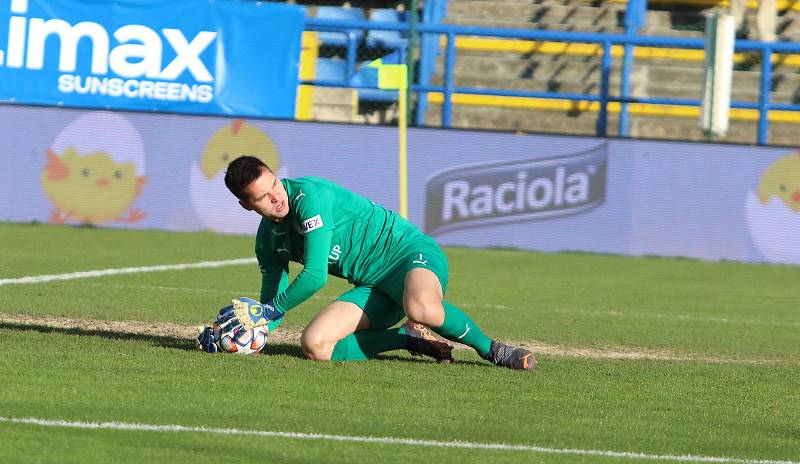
742	410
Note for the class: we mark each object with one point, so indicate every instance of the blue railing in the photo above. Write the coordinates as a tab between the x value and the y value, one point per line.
606	41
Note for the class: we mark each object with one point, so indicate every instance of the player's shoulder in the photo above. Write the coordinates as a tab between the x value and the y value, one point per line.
300	188
309	181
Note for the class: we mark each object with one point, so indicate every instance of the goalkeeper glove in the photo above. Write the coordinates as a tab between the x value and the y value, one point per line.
248	313
206	341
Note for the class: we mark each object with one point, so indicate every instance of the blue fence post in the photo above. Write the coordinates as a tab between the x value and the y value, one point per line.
635	17
763	98
605	76
352	45
449	84
427	59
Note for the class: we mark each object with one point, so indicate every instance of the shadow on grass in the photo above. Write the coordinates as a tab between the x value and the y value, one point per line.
176	343
157	340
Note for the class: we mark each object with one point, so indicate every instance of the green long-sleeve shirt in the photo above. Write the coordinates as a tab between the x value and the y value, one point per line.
329	230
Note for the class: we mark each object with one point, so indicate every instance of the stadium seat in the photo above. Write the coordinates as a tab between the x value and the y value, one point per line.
339	38
331	69
387	39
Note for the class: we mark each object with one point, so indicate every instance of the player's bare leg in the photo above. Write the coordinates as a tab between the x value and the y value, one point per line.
422	297
341	332
338	320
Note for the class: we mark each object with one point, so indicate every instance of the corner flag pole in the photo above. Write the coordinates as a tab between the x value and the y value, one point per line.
395	77
402	126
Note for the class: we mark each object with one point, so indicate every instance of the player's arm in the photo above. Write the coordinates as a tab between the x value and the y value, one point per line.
313	213
274	280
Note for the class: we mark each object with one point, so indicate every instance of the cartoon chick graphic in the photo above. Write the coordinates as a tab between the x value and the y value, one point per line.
772	211
233	141
782	180
216	209
91	188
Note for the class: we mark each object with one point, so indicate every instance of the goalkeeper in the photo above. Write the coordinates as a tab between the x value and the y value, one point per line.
397	272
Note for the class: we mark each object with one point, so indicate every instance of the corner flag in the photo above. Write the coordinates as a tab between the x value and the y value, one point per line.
390	73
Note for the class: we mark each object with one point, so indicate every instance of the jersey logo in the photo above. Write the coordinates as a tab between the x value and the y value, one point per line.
312	223
336	253
300	195
282	249
275	232
420	261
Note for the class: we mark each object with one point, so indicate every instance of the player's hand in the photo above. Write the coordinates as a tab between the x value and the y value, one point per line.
206	342
248	313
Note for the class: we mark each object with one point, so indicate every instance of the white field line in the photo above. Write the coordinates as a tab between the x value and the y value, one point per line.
317	296
126	270
384	441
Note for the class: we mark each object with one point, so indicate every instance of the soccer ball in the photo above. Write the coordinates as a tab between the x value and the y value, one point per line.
241	340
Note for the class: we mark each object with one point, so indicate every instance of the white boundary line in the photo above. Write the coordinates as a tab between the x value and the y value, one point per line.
383	440
126	270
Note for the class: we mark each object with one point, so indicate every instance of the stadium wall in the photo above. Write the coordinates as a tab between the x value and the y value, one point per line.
466	188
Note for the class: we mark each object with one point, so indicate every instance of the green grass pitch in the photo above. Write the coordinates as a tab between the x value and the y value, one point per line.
641	360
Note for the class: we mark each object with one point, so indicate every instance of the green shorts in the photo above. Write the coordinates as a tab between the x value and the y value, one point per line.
383	302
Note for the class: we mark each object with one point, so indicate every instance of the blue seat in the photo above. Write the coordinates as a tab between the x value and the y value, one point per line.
372	94
339	38
331	69
387	39
377	95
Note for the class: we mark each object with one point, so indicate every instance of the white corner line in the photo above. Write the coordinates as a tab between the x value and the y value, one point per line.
383	440
126	270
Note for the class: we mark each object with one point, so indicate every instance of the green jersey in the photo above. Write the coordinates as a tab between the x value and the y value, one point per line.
329	230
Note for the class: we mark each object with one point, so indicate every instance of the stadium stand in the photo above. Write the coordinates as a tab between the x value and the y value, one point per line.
339	38
387	39
575	68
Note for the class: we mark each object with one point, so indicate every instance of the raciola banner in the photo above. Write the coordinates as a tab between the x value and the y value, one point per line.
191	56
466	188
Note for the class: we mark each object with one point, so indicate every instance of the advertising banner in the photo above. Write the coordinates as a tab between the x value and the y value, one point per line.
537	192
192	56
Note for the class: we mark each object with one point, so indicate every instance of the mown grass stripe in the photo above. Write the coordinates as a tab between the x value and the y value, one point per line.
126	270
383	440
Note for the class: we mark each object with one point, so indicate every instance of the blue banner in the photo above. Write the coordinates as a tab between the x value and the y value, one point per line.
193	56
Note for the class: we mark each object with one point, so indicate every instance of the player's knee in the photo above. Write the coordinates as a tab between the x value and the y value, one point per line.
314	346
428	311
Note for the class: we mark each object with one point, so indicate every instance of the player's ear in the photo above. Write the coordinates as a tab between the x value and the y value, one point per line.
245	205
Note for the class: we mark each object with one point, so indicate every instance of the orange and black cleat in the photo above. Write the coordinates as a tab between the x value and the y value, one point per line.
422	341
510	356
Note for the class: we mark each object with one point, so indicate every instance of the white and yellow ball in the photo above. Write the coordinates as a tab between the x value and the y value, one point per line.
241	340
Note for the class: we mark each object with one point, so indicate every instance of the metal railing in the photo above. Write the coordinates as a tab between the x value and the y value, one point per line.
605	41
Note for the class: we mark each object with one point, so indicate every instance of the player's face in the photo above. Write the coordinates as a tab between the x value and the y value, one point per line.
267	196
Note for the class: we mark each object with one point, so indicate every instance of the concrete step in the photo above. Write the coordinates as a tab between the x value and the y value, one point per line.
515	3
695	92
333	104
781	82
518	24
566	85
525	67
639	88
512	66
538	13
519	119
584	123
743	132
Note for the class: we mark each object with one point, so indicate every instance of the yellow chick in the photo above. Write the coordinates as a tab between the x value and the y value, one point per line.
91	188
782	180
236	140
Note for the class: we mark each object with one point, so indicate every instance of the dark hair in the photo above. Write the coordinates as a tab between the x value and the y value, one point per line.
242	172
